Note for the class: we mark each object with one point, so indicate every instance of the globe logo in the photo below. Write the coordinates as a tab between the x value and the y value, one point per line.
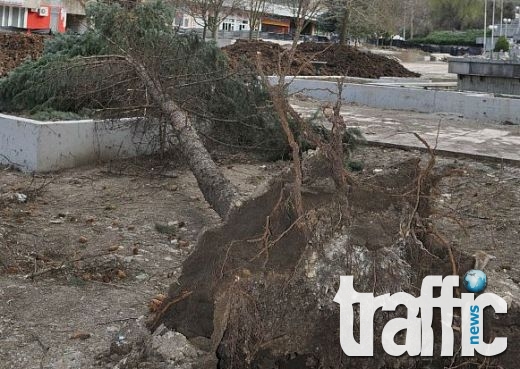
475	280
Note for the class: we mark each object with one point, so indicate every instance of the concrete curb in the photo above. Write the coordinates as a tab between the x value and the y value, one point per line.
479	106
444	152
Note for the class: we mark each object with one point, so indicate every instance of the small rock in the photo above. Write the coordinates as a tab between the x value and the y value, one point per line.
173	188
173	347
20	197
83	239
183	243
377	170
141	277
120	346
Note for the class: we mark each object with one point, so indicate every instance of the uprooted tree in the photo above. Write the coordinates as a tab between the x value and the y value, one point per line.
133	63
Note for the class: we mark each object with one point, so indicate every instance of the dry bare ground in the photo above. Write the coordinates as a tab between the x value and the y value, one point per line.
83	257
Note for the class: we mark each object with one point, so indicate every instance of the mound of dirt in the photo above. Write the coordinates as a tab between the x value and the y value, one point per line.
15	48
338	59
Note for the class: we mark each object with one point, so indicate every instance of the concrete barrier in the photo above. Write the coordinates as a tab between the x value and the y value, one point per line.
35	146
480	106
46	146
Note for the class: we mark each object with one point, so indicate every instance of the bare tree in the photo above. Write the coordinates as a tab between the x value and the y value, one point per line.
209	14
255	10
368	17
303	13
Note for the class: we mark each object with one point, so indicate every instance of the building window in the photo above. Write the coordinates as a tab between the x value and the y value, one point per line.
226	26
12	16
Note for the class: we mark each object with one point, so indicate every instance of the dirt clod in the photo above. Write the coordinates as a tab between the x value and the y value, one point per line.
80	336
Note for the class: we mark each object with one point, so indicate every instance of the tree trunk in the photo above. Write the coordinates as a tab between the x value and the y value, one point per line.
343	29
218	191
214	31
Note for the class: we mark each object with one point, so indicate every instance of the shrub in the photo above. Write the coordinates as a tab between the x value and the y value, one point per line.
462	38
502	44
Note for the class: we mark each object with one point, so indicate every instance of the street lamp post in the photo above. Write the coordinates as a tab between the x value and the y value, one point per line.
501	14
493	30
517	16
506	22
485	26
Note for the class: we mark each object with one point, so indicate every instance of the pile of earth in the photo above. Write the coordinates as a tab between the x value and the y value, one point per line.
338	59
15	48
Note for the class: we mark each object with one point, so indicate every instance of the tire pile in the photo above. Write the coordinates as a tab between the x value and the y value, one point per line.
15	48
333	60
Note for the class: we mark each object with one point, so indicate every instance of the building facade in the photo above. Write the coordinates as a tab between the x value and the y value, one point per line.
40	15
61	15
276	18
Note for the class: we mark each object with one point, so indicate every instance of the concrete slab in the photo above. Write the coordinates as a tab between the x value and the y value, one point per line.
437	70
449	133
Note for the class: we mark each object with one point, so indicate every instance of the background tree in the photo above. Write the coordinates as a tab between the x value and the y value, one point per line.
302	12
456	14
358	18
255	9
209	14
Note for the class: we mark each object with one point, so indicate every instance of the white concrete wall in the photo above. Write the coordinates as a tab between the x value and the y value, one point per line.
46	146
18	141
479	106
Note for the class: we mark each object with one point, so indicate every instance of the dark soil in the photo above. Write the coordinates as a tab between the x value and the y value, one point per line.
15	48
339	59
